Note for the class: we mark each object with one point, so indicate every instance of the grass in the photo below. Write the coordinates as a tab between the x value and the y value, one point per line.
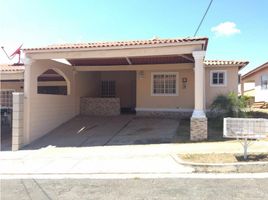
223	158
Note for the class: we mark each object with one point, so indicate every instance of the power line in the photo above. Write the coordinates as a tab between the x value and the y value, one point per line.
203	18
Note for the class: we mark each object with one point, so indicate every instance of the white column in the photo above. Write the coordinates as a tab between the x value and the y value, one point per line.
27	99
198	119
199	75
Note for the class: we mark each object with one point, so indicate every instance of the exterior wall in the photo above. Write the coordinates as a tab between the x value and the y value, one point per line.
17	121
125	86
184	99
211	92
87	85
100	106
260	94
45	112
12	85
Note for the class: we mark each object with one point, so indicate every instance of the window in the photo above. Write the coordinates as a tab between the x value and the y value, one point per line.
51	82
108	88
218	78
6	98
60	90
264	82
164	84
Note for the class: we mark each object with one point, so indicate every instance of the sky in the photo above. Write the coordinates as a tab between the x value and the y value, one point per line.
237	29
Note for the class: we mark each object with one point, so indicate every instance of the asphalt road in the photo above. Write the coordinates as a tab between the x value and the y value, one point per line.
179	188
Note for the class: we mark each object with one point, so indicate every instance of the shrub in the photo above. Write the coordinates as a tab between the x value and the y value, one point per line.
229	105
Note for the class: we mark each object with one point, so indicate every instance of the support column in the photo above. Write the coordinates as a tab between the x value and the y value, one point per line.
28	89
17	121
199	119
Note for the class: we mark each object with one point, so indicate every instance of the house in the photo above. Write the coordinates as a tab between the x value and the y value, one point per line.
158	77
11	80
255	83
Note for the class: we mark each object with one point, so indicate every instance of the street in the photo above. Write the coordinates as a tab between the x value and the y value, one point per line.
175	188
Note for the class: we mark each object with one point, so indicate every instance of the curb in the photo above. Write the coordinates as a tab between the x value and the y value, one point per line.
138	176
243	167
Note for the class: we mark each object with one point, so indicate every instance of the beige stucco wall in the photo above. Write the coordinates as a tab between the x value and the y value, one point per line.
185	98
213	91
125	86
44	112
88	84
17	86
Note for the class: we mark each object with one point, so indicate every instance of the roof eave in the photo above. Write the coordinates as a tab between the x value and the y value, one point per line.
255	70
200	42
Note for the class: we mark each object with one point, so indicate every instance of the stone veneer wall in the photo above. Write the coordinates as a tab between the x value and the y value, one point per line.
17	121
100	106
165	114
198	128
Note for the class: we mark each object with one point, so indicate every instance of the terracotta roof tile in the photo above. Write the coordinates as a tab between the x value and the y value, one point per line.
11	68
120	43
240	64
225	62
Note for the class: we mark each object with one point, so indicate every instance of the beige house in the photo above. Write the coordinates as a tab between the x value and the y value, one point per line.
255	83
158	77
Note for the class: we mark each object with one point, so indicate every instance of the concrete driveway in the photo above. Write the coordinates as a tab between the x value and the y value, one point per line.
85	131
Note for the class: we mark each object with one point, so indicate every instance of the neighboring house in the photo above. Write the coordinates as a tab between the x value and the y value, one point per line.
255	83
12	80
166	77
11	77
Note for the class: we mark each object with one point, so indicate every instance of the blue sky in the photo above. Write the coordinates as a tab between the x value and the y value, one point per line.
237	29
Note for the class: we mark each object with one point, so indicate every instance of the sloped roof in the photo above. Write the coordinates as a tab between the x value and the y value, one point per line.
11	67
261	67
241	64
130	43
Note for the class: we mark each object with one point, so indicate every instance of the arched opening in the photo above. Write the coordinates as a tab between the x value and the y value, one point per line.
52	82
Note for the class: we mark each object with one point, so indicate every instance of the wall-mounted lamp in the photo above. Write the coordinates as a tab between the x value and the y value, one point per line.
184	82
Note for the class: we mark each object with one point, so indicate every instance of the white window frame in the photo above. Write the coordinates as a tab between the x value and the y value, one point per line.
165	73
224	80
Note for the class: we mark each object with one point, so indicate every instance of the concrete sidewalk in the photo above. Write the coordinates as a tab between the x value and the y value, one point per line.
125	159
92	160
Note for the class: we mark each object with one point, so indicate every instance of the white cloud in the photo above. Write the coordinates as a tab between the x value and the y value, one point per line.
225	29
